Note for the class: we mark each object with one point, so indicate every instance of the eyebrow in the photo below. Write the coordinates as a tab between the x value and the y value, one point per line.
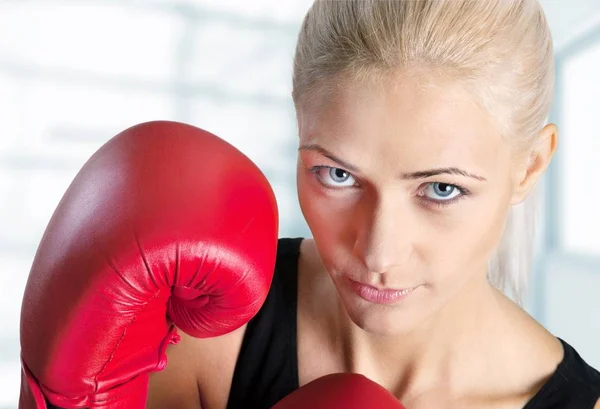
327	154
412	175
440	171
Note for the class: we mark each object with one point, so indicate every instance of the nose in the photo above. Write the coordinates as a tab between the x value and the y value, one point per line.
384	235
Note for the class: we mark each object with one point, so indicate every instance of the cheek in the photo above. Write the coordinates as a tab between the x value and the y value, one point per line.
488	221
328	216
324	216
467	242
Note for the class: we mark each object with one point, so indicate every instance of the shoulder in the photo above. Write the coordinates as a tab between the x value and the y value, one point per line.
215	365
578	378
202	370
198	370
575	366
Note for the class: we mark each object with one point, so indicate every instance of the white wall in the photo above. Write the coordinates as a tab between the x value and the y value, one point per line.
72	74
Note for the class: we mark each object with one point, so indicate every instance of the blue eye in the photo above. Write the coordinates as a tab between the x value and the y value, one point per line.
441	192
334	177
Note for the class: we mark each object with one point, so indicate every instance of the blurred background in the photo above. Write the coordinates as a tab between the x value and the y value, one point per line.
75	73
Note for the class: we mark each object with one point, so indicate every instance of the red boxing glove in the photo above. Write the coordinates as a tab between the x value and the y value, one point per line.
165	221
340	391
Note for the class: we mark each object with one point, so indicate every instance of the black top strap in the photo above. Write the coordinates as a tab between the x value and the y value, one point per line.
267	366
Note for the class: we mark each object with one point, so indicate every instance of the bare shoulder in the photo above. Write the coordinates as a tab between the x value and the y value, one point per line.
526	335
597	405
198	373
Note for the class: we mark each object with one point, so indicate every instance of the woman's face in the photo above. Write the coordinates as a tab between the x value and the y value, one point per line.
404	189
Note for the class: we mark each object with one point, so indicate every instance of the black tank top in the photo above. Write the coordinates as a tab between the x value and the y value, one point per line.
267	366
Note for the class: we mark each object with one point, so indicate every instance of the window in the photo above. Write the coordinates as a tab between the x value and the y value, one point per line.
85	71
569	276
580	160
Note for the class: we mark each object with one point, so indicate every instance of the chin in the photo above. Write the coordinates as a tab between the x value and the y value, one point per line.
378	321
381	319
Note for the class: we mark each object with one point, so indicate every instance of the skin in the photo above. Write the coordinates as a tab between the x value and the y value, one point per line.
378	218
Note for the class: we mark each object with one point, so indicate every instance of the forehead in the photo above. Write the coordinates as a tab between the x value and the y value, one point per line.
411	117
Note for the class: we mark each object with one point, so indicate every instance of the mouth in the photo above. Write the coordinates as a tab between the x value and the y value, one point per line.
379	296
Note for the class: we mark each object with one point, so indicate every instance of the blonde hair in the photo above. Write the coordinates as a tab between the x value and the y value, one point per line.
501	51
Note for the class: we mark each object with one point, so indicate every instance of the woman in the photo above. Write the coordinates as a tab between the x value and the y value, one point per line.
421	137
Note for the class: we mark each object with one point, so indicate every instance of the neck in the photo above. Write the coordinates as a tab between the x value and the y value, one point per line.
440	354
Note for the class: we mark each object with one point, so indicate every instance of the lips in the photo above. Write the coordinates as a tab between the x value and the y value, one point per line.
379	296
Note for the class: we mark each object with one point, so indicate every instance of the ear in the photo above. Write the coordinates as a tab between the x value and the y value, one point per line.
532	165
